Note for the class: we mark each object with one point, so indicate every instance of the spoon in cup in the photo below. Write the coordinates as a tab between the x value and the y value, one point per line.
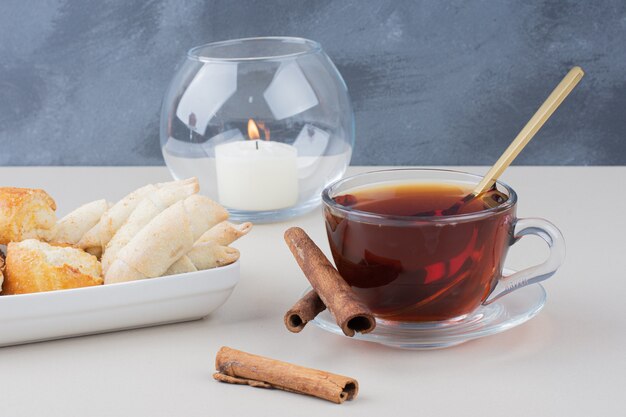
486	188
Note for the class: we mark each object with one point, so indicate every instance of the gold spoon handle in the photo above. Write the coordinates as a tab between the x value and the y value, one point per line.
548	107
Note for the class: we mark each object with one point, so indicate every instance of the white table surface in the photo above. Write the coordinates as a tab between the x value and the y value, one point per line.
570	360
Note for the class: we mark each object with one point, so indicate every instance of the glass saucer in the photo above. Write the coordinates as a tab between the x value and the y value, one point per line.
503	314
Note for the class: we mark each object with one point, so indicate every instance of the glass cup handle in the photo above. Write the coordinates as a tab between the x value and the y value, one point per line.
553	237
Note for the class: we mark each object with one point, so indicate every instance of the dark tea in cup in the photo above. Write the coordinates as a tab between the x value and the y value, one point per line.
409	261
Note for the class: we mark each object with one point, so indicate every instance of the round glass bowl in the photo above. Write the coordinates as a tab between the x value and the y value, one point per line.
264	123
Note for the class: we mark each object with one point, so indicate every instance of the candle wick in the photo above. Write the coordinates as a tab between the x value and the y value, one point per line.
257	144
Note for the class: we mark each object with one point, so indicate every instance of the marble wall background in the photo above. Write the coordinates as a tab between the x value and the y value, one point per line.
447	82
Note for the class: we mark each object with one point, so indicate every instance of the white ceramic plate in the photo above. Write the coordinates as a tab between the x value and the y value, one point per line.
50	315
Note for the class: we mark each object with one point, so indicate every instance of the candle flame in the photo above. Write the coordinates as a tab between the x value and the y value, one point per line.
253	130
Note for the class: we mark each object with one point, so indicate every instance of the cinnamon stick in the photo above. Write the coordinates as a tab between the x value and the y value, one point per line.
237	367
305	310
350	313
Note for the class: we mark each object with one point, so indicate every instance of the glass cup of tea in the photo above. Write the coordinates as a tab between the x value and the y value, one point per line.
394	241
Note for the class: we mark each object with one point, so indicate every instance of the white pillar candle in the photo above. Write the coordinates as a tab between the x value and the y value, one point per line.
257	175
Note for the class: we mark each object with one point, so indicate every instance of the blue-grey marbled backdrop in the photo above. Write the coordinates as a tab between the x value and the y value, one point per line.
447	82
